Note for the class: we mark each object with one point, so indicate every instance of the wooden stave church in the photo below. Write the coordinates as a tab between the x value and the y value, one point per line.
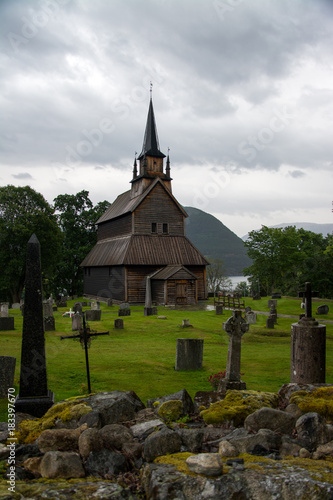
141	239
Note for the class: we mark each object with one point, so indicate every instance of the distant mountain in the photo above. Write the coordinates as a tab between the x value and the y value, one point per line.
216	241
308	226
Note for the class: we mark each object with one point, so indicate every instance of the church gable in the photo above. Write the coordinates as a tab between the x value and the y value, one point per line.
158	214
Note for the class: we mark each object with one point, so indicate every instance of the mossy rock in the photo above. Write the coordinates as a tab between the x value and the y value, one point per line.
237	405
178	460
171	410
319	401
29	430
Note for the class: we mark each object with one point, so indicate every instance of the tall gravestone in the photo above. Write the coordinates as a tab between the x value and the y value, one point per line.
308	346
6	321
235	327
34	396
7	371
189	354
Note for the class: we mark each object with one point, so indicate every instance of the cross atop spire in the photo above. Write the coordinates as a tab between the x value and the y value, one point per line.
150	142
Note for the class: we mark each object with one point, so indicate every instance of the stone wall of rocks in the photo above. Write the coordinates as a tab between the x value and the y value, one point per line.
120	439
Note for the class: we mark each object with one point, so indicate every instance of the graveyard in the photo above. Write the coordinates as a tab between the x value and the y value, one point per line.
141	356
134	422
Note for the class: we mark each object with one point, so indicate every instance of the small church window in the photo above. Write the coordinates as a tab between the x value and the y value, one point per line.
165	228
153	227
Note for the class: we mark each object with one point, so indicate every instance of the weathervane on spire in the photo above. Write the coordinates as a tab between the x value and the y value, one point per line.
151	90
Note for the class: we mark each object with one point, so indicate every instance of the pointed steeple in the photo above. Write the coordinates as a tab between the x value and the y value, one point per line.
167	170
150	142
135	169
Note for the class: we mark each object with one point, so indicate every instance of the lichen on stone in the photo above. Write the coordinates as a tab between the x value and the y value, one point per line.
171	410
29	430
178	460
318	401
237	405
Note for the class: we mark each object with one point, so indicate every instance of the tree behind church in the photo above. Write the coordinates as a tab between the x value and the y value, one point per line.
24	212
76	217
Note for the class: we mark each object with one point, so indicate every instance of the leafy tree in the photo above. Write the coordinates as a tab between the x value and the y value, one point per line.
276	256
76	217
24	212
287	258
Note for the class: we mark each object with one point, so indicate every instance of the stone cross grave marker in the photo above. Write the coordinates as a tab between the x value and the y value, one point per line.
84	337
308	294
34	396
235	327
308	346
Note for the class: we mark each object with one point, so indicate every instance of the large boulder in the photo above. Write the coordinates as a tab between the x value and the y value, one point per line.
270	418
116	406
237	405
243	441
60	439
209	464
183	396
142	430
114	436
105	463
58	464
311	430
161	443
90	440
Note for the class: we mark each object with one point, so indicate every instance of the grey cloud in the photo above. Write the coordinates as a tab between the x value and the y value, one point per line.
21	176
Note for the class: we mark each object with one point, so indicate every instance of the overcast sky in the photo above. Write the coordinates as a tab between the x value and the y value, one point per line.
242	93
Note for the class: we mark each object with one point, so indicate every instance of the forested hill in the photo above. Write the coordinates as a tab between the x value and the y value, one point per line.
216	241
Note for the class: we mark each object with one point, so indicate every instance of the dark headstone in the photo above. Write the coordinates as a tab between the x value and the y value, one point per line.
124	309
189	354
7	323
93	314
119	323
7	371
219	309
270	322
34	397
324	309
77	308
76	322
150	311
49	324
276	295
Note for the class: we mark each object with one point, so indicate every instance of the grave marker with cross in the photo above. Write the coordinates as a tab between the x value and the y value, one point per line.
308	346
308	294
84	337
235	327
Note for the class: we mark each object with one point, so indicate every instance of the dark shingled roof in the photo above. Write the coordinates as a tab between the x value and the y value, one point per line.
146	250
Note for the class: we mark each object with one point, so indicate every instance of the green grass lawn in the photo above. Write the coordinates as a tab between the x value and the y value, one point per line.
141	357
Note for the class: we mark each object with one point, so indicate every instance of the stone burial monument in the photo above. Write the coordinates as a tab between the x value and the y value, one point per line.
308	346
34	396
6	321
235	327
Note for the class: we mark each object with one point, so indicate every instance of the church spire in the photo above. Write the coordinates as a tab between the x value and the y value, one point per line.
150	142
167	170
